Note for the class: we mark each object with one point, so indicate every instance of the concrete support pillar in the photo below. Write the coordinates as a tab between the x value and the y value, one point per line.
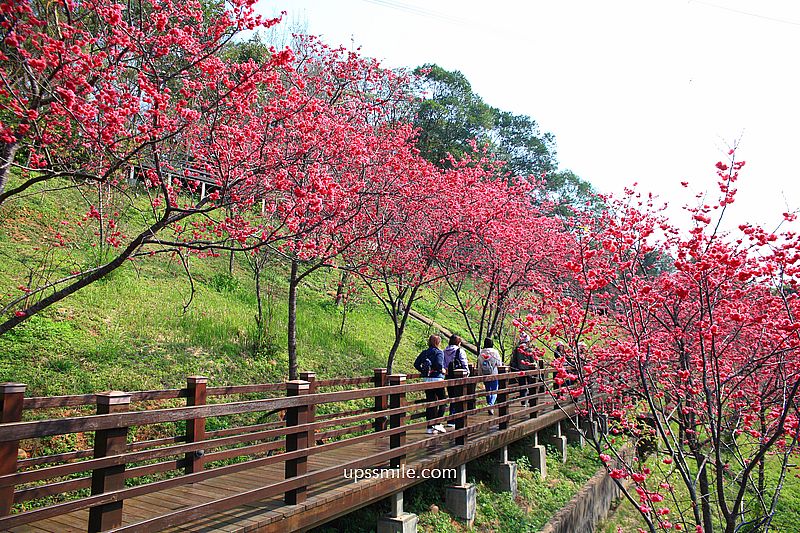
552	437
571	430
538	455
505	473
461	498
398	521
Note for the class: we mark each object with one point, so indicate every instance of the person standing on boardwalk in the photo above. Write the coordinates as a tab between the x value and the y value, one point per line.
488	361
523	360
454	359
430	364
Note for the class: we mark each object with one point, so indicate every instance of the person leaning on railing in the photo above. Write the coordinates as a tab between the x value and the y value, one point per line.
430	364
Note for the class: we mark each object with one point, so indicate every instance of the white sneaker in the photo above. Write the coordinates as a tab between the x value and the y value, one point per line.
439	428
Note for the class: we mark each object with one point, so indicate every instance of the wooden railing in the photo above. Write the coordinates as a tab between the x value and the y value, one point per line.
116	468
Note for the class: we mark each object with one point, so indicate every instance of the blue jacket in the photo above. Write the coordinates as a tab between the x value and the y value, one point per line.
436	357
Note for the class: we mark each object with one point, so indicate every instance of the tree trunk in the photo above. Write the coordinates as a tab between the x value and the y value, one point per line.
705	492
7	152
342	286
344	317
398	336
762	418
259	303
292	322
400	319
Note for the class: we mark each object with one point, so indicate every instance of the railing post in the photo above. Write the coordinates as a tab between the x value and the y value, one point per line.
533	400
107	442
11	398
470	390
459	404
380	400
311	377
296	416
397	399
195	427
502	394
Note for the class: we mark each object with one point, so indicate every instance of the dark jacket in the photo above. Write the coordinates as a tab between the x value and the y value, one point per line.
436	357
521	360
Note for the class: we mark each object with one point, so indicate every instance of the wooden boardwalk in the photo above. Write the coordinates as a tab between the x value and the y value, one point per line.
196	506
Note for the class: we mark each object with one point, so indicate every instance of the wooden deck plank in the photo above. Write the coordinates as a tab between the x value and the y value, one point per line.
64	523
37	528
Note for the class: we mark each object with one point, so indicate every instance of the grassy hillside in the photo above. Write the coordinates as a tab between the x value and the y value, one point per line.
130	332
133	330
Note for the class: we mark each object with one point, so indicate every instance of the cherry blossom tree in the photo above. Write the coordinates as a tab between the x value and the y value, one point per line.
519	253
92	90
343	141
437	217
695	366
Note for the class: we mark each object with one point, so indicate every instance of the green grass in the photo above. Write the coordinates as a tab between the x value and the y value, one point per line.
130	330
131	333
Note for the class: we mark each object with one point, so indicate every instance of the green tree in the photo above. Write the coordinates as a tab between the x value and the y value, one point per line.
518	141
569	192
450	114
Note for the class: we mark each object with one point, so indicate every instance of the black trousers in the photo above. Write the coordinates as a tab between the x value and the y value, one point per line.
454	408
431	395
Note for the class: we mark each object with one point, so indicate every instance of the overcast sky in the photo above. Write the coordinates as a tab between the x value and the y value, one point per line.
642	91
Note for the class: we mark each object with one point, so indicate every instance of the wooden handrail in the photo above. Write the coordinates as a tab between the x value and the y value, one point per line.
45	428
78	400
352	426
160	453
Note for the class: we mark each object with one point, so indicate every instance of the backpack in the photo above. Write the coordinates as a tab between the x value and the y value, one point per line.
423	363
455	364
488	364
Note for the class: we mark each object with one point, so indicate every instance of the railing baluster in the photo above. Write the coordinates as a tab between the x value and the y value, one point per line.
109	442
470	390
381	401
311	377
396	400
296	441
11	397
195	427
533	400
502	394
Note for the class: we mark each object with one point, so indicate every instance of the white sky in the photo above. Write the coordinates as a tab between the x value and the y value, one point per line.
634	90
